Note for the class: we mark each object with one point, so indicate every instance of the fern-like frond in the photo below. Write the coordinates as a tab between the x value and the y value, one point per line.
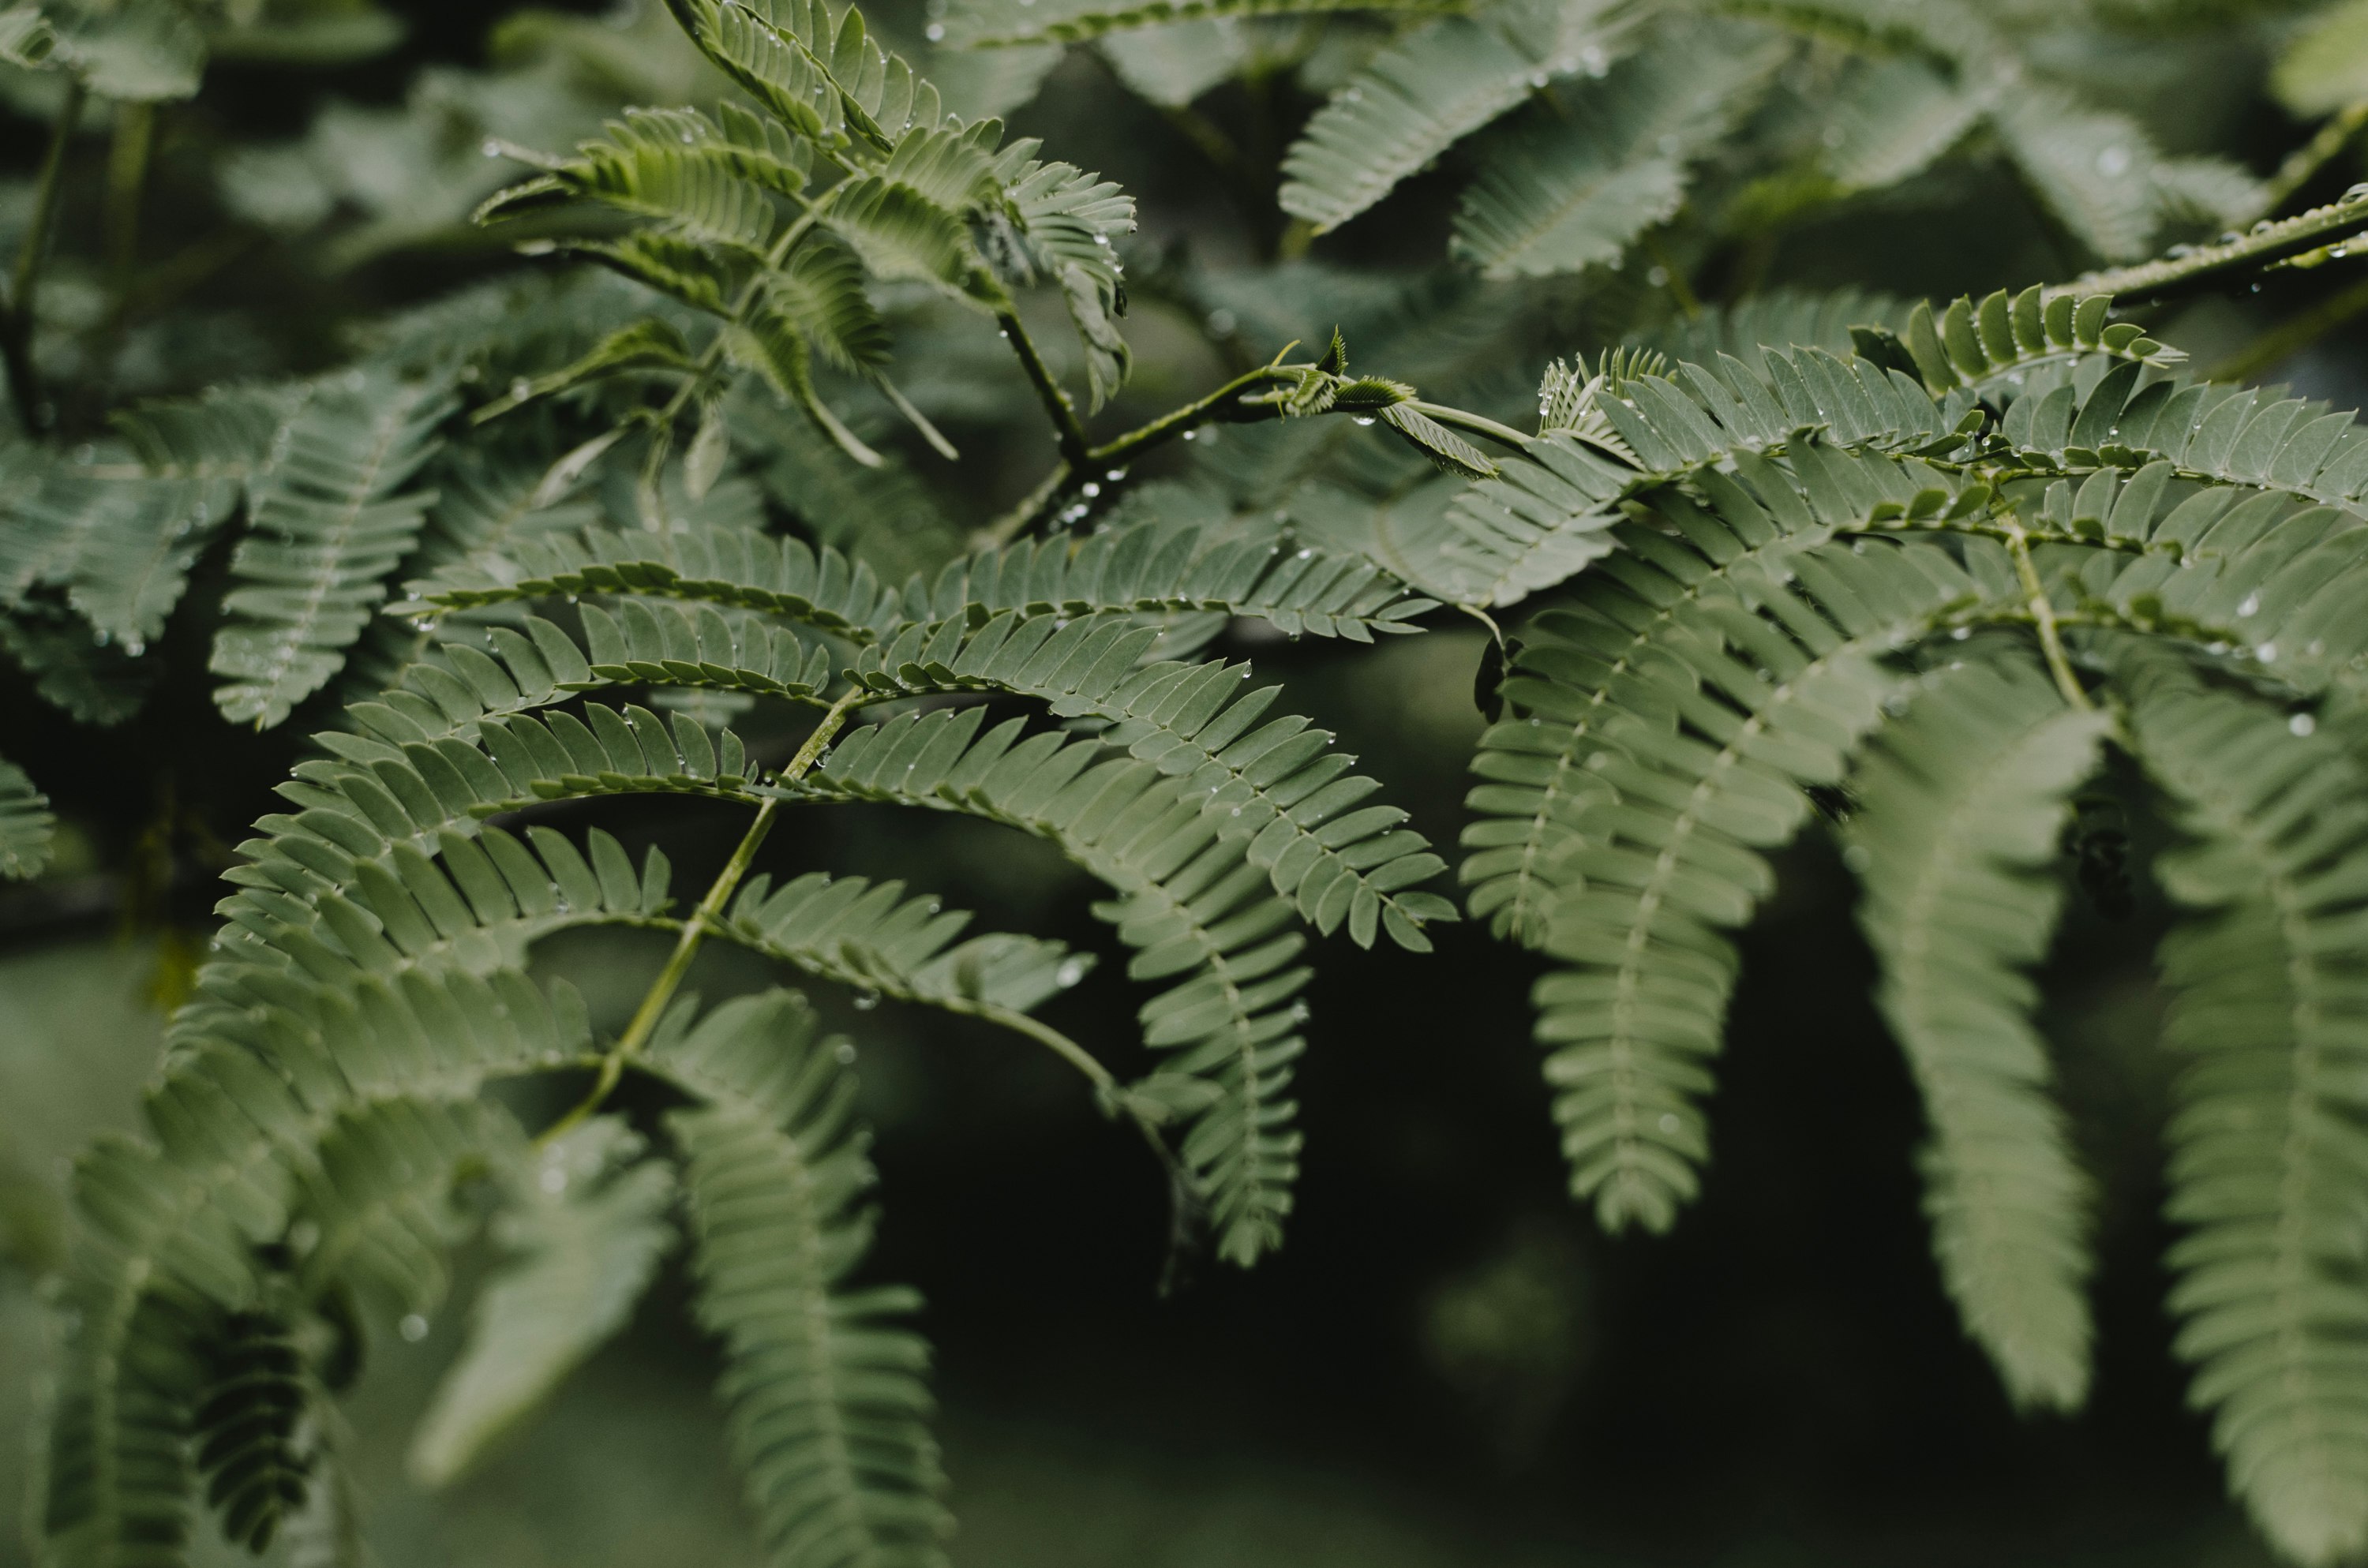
245	1428
325	532
825	1381
714	565
877	940
584	1227
170	1228
1435	86
121	545
1999	343
372	795
2267	1146
1189	903
2250	437
1699	687
1149	568
1545	517
27	827
1959	810
1574	188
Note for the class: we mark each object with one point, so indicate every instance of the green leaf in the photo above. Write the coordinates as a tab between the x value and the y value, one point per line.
1960	811
26	827
1437	84
826	1382
328	529
1573	190
585	1228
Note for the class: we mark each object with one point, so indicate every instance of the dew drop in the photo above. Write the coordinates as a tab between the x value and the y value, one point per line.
866	999
844	1051
490	148
935	32
2113	161
2252	607
1364	418
554	1180
413	1327
1668	1123
2302	724
1071	971
2267	652
1960	634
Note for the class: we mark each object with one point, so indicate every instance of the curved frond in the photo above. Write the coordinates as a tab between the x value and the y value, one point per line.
876	939
2002	340
1150	567
1546	517
713	564
1959	810
325	532
2267	1147
1571	190
584	1227
825	1381
1435	86
1697	690
245	1429
1188	904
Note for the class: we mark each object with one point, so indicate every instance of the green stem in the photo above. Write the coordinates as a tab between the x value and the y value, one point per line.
127	177
17	324
1076	450
2043	619
702	919
1503	434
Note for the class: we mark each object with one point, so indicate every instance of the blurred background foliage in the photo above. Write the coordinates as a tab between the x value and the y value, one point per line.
1448	1365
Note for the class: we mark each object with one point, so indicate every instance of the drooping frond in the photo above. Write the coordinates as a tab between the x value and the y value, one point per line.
584	1227
1960	809
374	796
375	1209
1700	685
26	827
170	1228
1189	903
325	532
2267	1146
825	1381
1150	568
877	940
1572	190
245	1429
121	545
714	565
1435	86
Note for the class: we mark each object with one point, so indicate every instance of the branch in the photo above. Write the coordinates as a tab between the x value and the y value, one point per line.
1075	450
17	311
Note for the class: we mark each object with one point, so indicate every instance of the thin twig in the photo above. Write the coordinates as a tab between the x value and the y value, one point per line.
17	311
1075	448
2043	619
